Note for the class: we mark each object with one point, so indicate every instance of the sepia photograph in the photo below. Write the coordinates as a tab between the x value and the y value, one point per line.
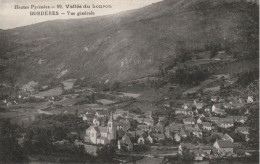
129	81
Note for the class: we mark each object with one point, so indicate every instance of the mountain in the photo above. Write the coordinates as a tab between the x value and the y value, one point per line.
126	45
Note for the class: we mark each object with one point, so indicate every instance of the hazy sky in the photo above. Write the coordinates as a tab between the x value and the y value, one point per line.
11	18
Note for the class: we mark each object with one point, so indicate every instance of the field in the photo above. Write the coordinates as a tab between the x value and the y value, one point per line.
51	92
69	101
83	108
105	101
68	84
23	113
133	95
197	88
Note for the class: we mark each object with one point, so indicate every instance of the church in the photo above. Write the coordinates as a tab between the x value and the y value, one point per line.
101	134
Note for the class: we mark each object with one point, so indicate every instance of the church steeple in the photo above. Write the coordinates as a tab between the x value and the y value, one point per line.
111	127
111	119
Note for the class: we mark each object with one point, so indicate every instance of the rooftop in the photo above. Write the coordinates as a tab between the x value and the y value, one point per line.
225	144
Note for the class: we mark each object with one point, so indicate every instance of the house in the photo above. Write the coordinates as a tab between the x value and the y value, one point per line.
195	131
174	127
242	130
214	98
212	119
217	135
148	114
228	106
167	104
168	134
202	151
101	113
199	121
206	149
187	105
149	139
237	105
121	113
206	126
177	137
199	105
250	99
21	139
187	111
101	135
123	125
143	127
183	134
207	109
125	142
227	137
136	133
224	146
188	146
148	121
188	121
159	128
161	118
142	138
201	116
225	123
120	133
158	136
241	119
98	121
237	102
198	155
218	109
88	117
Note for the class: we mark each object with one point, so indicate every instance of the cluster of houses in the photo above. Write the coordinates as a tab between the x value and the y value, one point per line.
202	120
119	128
199	120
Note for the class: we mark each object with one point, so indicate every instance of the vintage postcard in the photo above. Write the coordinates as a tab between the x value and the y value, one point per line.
129	81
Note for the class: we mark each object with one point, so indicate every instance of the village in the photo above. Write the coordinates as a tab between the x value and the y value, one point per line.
203	126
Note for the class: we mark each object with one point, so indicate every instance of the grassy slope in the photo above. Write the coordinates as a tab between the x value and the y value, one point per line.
126	45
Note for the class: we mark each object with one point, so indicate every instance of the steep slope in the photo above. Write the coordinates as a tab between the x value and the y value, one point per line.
127	45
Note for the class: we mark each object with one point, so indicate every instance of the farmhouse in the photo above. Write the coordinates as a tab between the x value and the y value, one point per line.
125	142
187	111
189	121
188	146
206	126
225	123
224	146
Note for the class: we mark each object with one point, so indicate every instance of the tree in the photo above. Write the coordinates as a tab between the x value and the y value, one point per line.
106	153
133	124
141	148
115	86
10	150
59	133
253	123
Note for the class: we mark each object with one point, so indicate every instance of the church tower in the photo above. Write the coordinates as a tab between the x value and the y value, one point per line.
111	128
